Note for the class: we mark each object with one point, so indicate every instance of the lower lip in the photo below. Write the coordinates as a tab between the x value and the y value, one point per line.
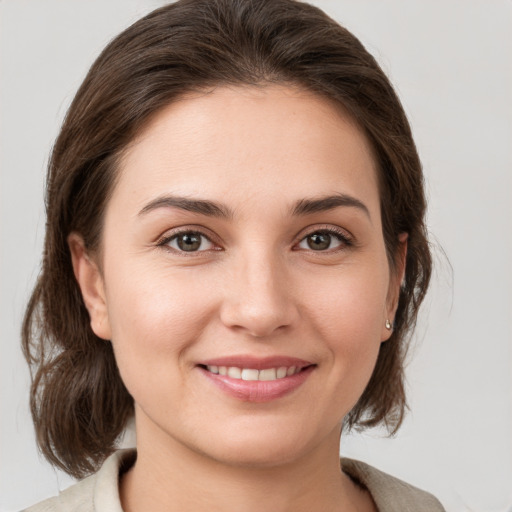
257	390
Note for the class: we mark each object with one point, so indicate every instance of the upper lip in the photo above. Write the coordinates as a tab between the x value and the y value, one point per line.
256	363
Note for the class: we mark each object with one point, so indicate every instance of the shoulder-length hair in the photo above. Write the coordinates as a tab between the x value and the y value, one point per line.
78	401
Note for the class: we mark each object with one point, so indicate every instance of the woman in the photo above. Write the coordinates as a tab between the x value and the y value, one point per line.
235	254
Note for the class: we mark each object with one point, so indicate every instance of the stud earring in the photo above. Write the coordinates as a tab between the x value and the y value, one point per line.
389	325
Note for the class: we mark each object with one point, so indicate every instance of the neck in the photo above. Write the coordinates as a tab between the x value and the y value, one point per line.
169	476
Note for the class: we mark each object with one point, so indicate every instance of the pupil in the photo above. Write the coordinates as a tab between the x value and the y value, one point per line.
189	242
319	241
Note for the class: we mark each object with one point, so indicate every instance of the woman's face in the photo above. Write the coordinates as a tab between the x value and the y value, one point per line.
243	241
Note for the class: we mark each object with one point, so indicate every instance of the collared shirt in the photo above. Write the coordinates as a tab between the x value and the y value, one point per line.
100	492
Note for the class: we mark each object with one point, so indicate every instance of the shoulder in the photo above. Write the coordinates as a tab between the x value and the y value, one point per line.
77	498
96	493
390	494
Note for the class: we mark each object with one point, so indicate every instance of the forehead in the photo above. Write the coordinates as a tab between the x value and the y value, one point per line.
237	143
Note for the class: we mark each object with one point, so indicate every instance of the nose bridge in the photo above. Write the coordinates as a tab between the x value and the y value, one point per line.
259	299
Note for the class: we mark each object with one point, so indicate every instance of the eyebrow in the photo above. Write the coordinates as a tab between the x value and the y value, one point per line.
322	204
201	206
213	209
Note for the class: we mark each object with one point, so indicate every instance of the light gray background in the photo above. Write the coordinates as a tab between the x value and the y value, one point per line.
451	62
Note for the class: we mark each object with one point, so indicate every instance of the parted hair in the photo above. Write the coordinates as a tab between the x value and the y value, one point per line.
79	403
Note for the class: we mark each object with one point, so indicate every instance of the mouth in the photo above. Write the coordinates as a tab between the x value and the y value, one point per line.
257	380
252	374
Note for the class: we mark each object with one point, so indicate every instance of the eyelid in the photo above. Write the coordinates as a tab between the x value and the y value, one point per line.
342	234
166	237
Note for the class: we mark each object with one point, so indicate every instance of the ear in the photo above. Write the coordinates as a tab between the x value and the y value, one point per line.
91	284
395	284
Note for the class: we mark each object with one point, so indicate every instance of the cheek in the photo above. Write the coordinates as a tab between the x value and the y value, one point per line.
351	305
349	315
154	319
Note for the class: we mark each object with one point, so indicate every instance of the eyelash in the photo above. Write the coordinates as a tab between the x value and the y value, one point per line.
342	236
168	238
346	240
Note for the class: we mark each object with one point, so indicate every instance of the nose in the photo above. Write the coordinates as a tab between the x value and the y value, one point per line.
259	299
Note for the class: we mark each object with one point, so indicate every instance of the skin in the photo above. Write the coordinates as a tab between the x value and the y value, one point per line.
254	288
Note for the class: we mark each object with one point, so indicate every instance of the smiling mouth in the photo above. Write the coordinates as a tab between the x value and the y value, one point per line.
252	374
270	380
257	379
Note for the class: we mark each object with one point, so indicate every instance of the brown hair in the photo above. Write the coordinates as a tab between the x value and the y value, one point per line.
78	401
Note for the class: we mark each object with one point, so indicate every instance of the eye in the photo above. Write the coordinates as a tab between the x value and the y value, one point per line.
323	240
188	241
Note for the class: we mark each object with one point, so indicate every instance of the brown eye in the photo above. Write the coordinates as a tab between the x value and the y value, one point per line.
319	241
190	242
323	240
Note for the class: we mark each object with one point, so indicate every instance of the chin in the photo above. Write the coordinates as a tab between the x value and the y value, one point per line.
259	448
256	455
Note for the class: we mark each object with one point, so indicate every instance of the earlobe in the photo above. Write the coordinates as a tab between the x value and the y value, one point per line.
91	285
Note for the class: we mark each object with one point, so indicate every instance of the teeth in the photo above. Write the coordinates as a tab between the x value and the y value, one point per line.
291	370
234	372
248	374
268	374
252	374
